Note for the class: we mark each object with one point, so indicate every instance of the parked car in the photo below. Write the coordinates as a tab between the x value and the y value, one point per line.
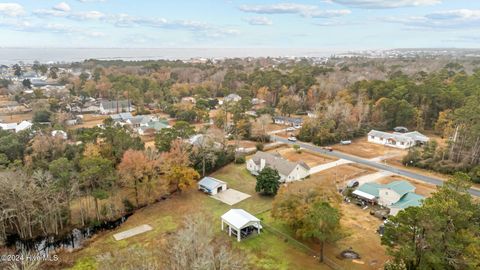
401	129
345	142
297	127
292	139
381	214
290	129
353	183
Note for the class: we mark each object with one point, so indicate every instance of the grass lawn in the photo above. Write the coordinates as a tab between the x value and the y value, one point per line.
266	251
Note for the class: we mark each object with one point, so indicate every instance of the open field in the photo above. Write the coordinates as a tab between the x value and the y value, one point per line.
91	120
362	148
15	118
267	251
274	127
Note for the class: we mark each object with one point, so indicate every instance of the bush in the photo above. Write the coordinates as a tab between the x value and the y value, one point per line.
240	160
128	205
260	146
475	174
297	149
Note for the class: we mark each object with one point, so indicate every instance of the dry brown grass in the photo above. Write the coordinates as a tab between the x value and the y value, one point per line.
15	118
362	148
311	158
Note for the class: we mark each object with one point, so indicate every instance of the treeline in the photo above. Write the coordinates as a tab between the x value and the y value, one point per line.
423	101
51	184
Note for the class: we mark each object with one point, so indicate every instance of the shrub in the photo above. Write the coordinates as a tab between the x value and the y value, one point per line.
240	160
128	205
475	174
260	146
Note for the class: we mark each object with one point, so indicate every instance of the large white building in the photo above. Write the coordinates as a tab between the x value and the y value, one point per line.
288	171
24	125
397	140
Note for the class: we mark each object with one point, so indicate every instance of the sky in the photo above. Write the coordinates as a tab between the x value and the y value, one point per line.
339	24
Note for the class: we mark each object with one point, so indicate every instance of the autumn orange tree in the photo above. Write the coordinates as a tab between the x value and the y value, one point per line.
136	171
176	166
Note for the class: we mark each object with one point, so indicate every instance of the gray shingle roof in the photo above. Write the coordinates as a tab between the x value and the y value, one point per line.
275	161
109	105
292	120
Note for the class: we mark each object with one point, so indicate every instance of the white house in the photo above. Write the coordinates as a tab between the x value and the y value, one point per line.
240	223
288	121
60	133
24	125
211	185
232	98
288	171
397	140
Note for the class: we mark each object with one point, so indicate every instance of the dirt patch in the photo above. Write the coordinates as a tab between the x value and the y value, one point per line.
312	159
274	127
361	236
16	118
91	120
362	148
336	178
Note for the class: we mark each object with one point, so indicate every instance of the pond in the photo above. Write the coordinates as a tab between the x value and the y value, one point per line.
44	246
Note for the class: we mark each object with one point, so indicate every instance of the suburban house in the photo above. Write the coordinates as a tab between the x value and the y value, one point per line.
232	98
152	127
60	134
115	106
121	117
257	101
288	171
288	121
397	140
240	223
211	185
24	125
142	124
191	100
396	195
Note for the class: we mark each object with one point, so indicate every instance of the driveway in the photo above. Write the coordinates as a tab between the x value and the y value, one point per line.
372	177
231	196
327	166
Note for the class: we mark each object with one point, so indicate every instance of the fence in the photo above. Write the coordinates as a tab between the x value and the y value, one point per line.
326	260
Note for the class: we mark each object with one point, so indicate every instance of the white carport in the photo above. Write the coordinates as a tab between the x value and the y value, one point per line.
364	195
240	221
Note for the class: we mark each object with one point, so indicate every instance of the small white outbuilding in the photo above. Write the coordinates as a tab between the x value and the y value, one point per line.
240	223
211	185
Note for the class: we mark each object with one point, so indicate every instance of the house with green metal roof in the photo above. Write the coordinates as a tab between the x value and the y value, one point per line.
154	126
396	195
409	200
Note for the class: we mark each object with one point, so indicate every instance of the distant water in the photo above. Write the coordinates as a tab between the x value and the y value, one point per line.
10	56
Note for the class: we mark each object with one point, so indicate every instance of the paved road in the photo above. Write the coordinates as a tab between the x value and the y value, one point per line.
376	165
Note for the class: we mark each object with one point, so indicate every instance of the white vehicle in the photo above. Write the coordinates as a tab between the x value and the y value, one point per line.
292	139
290	129
297	127
345	142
